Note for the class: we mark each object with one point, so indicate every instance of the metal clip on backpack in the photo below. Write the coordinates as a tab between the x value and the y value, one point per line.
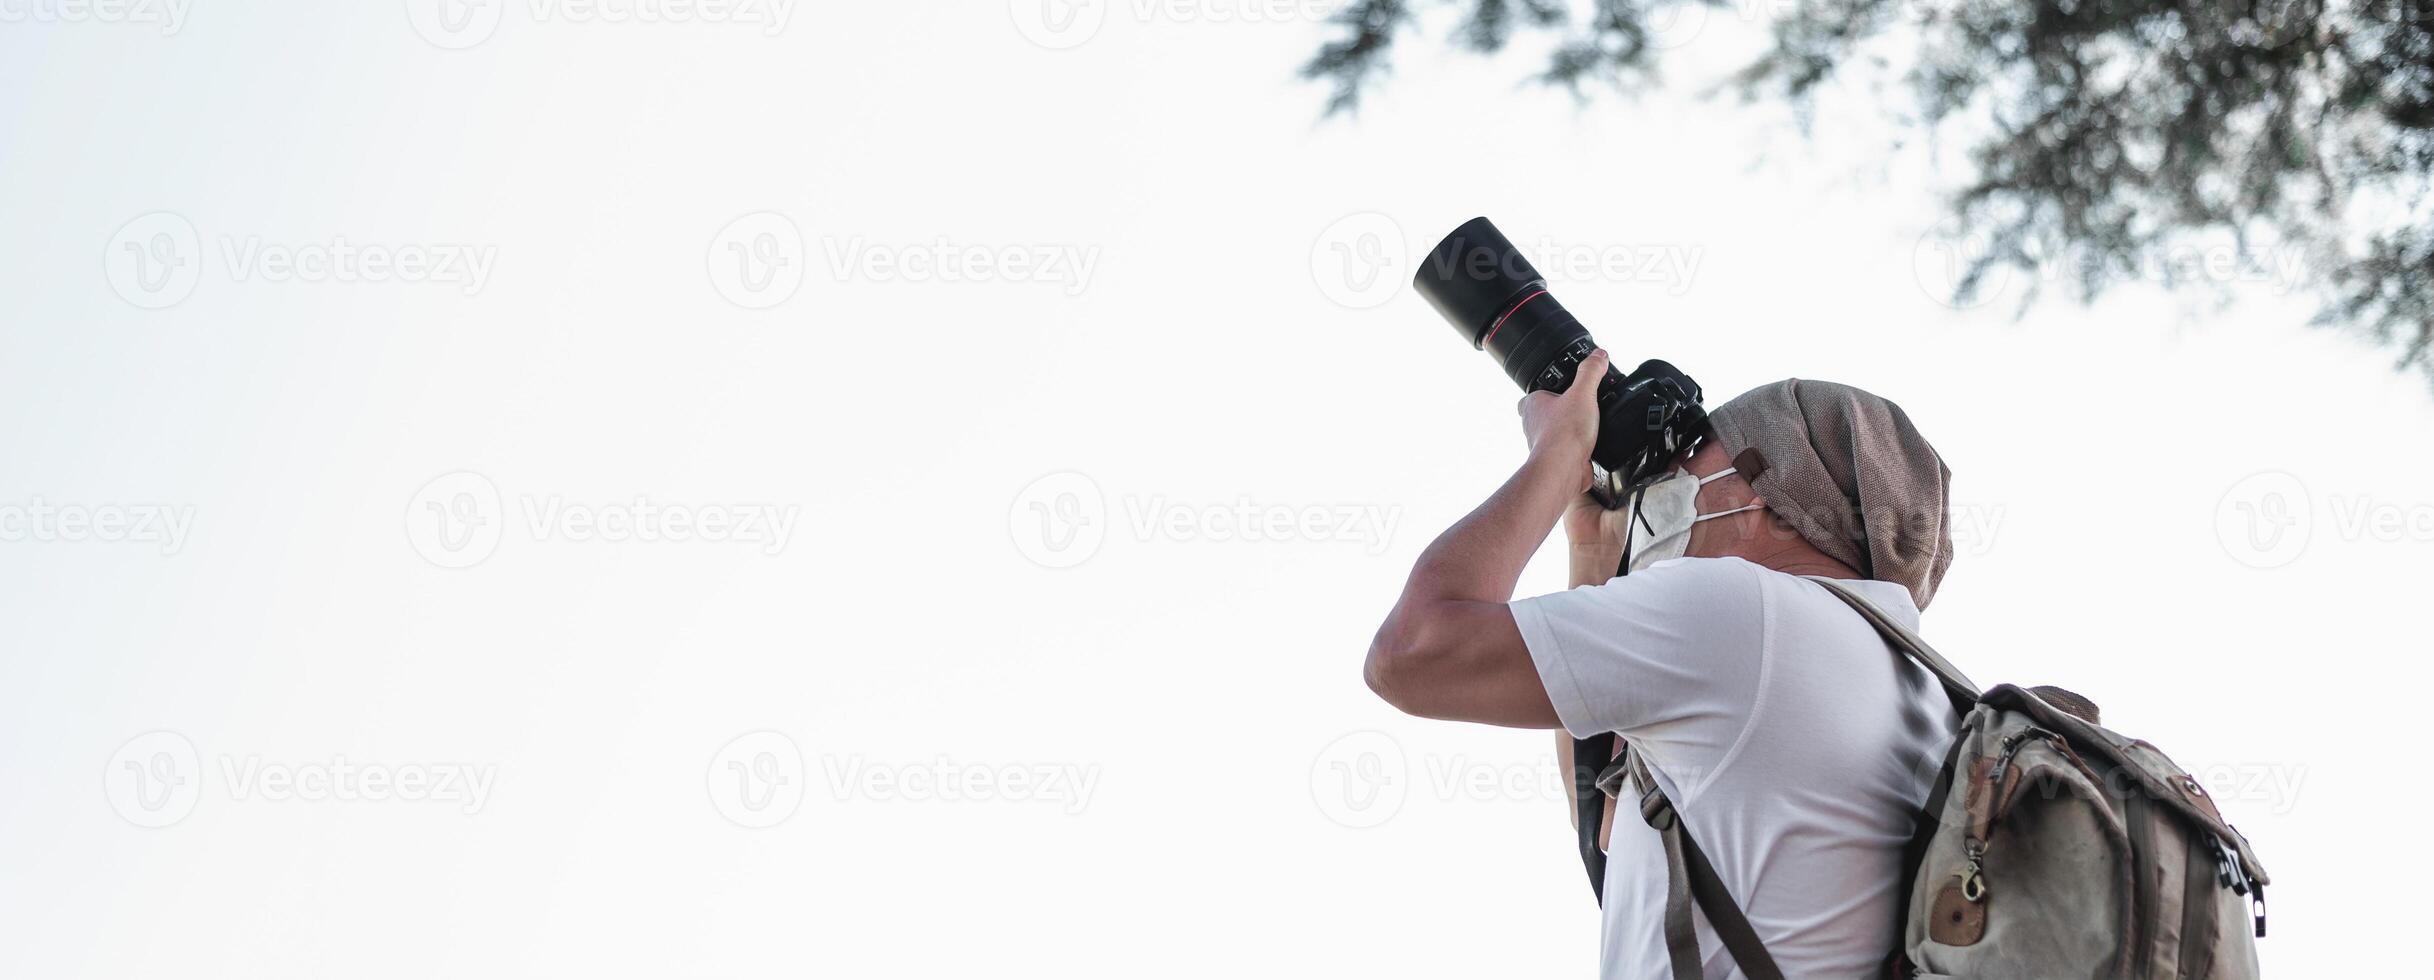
2048	847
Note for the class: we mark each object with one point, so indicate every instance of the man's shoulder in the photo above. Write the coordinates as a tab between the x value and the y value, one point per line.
1694	573
1681	597
1726	574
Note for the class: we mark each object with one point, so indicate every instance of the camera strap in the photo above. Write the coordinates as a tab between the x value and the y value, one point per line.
1589	758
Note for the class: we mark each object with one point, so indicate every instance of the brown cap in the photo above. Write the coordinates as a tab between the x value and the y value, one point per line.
1848	471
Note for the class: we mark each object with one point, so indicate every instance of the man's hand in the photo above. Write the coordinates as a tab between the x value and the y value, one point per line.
1563	428
1596	536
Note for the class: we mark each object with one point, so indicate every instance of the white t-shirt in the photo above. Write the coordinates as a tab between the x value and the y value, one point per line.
1795	744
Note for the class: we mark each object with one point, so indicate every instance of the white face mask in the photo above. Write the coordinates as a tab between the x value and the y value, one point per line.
1662	514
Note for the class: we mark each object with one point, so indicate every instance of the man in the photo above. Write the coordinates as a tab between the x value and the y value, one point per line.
1795	746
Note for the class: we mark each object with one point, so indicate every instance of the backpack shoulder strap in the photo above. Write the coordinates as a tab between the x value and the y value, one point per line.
1690	878
1963	691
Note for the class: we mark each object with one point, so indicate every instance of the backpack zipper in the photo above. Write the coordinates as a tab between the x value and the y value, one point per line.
2011	747
1973	874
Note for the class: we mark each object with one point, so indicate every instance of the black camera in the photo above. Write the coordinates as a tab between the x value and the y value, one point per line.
1490	293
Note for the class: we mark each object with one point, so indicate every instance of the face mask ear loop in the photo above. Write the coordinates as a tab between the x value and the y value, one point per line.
1743	509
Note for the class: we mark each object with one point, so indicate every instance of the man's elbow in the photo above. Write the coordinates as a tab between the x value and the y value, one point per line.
1394	668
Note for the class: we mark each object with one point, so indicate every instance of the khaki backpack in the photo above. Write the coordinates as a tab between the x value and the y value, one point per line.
2049	846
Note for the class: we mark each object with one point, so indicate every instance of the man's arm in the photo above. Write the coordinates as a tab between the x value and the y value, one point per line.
1596	537
1450	648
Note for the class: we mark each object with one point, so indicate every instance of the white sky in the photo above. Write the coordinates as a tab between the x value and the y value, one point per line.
1150	745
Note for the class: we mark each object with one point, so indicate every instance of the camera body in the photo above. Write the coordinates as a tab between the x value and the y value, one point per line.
1491	295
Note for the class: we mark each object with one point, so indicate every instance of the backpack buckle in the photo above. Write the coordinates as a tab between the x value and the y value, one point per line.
1656	809
2227	868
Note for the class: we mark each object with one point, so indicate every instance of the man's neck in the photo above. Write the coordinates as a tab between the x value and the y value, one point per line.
1795	557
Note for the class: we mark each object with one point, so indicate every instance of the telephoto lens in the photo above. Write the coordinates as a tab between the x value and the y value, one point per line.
1491	295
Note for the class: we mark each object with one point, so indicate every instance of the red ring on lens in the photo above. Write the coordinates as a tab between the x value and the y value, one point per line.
1508	314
